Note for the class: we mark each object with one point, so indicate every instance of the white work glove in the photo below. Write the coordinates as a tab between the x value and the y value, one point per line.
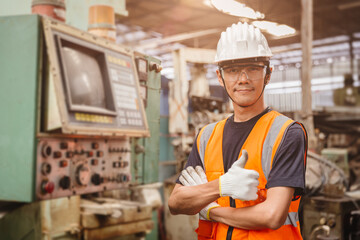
192	177
239	183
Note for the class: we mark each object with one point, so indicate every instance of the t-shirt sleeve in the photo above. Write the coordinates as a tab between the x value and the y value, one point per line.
194	158
288	169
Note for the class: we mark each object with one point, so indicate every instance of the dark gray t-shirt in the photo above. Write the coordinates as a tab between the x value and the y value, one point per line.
288	168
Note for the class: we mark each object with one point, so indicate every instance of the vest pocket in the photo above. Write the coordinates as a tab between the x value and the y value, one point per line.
206	230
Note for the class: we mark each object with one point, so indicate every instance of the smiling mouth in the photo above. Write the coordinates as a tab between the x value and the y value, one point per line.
243	90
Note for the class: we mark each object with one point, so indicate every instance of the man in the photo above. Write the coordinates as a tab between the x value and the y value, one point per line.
257	196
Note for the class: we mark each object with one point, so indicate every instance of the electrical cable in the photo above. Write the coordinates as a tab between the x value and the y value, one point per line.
325	161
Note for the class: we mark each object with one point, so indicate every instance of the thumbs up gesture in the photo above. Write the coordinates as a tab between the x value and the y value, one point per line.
238	182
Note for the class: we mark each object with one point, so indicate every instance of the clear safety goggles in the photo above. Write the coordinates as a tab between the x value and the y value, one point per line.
251	71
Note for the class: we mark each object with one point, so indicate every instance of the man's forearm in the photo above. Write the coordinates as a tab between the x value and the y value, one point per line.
191	199
270	214
245	218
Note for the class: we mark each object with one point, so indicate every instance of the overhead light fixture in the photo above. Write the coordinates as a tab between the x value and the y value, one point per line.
235	8
238	9
207	3
349	5
278	30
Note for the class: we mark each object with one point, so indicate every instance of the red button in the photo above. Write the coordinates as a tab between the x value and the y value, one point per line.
90	154
63	163
48	187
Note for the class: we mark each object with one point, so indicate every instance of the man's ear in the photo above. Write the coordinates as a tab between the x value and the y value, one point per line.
219	77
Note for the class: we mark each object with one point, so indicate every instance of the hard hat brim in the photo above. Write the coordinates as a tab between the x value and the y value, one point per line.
245	60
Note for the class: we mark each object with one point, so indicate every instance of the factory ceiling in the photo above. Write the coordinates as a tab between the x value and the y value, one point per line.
163	23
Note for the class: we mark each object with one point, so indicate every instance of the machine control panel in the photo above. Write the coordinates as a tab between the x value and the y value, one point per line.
69	167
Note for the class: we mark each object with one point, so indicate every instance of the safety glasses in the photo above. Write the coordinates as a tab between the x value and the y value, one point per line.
251	71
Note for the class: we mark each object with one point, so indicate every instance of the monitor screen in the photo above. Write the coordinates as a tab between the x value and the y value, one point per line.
86	80
86	84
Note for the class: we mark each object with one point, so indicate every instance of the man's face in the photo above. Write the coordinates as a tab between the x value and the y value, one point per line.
244	82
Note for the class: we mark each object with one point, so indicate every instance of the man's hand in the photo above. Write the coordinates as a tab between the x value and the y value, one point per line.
193	177
239	183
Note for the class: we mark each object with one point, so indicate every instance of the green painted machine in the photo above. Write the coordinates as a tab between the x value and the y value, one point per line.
71	103
146	151
80	115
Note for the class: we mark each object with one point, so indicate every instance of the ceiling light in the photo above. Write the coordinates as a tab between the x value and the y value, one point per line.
274	28
345	6
235	8
207	3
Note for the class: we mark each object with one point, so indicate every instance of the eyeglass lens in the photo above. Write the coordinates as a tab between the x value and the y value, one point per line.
252	72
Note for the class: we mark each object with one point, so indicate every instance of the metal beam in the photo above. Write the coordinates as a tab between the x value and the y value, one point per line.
306	69
177	38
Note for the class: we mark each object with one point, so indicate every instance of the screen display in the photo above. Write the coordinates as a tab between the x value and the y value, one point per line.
86	79
86	85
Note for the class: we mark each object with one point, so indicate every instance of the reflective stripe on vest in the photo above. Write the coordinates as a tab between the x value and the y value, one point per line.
269	143
266	157
203	140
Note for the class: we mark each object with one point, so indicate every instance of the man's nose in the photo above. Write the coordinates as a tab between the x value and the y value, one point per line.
243	77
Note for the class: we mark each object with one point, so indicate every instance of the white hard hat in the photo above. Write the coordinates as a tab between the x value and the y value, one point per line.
242	41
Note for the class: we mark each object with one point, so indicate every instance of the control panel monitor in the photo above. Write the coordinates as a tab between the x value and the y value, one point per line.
95	83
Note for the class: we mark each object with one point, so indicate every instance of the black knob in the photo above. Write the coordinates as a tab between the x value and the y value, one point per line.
45	168
57	154
95	145
46	150
125	178
99	153
69	154
124	164
65	182
96	179
63	145
121	178
116	164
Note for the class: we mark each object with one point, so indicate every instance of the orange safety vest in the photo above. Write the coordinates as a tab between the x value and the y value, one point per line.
261	144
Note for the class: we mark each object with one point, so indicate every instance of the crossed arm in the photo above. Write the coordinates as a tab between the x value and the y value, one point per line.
271	213
190	200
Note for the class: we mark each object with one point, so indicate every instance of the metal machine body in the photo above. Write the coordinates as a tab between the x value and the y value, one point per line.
337	213
146	151
52	145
